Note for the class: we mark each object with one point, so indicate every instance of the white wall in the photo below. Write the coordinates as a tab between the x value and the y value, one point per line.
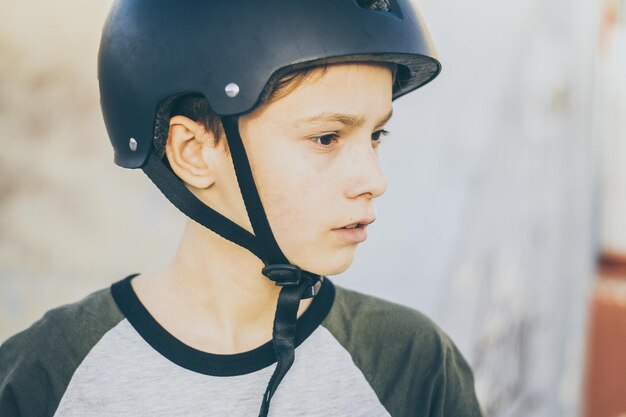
490	221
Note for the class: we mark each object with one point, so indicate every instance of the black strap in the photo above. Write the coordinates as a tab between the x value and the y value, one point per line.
254	207
283	336
173	188
296	284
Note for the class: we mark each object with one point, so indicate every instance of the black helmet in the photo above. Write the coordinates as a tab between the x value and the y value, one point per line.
239	49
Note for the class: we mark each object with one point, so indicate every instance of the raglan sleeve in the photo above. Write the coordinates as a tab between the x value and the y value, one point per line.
412	365
8	397
452	383
26	386
37	364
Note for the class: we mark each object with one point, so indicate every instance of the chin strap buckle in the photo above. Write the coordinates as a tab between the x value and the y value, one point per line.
283	274
286	275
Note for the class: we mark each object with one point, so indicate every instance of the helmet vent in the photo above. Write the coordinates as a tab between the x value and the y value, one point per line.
377	5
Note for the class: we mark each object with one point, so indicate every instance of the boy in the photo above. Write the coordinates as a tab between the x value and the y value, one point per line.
261	122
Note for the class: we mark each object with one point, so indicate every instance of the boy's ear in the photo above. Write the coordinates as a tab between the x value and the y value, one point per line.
188	150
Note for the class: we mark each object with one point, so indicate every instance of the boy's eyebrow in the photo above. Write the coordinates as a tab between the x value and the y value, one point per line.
349	120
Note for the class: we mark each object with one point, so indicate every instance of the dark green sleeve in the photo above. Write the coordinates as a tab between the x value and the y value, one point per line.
453	383
412	365
37	364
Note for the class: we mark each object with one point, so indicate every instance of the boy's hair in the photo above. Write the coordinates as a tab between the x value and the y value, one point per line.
196	106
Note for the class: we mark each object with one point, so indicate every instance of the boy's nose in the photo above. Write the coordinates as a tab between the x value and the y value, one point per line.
367	176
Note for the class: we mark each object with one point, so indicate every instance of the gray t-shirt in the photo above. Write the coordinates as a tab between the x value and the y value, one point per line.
356	355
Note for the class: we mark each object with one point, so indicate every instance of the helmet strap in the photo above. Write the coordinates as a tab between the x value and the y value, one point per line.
250	194
174	190
296	284
283	335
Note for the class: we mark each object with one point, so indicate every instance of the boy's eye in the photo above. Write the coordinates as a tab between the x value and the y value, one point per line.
325	140
329	140
376	136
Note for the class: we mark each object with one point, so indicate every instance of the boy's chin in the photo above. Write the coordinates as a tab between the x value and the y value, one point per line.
331	266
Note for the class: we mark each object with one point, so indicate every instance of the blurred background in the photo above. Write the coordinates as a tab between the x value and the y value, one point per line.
504	220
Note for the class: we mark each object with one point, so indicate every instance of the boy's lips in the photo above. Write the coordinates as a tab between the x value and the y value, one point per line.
362	222
354	232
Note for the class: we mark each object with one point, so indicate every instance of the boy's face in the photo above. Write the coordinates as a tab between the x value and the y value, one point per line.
314	159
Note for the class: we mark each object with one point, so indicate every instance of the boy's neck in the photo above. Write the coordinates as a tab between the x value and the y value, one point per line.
212	296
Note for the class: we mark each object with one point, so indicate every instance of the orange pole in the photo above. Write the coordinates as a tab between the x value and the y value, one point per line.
605	380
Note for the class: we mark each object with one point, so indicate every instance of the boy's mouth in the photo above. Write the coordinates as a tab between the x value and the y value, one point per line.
354	232
360	223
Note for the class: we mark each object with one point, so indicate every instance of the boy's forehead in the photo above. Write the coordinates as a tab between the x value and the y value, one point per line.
347	119
344	93
347	75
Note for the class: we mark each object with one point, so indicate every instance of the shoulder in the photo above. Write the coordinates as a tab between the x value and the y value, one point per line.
65	327
411	363
37	363
357	317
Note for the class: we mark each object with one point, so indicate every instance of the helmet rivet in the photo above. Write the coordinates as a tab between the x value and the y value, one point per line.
132	144
232	90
